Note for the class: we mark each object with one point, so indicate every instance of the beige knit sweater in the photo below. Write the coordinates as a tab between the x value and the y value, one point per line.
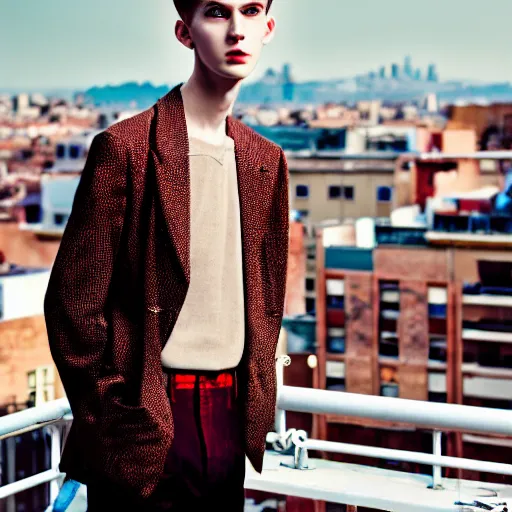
209	332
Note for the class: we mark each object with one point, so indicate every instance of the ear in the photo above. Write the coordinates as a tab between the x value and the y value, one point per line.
269	33
183	34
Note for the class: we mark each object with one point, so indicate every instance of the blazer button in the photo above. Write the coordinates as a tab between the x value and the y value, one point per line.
154	309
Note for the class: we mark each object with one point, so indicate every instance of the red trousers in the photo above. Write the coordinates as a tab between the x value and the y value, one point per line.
205	466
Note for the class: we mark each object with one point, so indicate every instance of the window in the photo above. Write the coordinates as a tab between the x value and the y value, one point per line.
338	192
41	385
302	191
507	125
348	193
60	219
74	151
310	305
310	284
26	154
334	191
303	214
384	194
61	151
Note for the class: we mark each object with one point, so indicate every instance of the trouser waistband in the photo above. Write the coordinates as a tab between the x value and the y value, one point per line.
203	379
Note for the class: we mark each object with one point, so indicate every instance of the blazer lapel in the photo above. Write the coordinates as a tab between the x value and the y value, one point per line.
247	171
170	150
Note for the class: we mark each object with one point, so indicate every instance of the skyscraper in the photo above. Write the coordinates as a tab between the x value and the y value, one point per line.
288	83
408	71
432	73
286	73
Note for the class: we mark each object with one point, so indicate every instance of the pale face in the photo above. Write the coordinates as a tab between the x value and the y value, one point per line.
223	26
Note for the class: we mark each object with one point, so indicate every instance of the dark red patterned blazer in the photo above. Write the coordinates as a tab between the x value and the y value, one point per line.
120	279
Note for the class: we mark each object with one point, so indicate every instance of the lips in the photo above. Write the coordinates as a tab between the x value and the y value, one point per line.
237	53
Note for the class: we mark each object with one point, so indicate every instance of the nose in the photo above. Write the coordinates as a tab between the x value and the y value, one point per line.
235	27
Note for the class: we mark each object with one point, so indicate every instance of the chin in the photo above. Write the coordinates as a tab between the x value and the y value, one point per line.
240	75
237	71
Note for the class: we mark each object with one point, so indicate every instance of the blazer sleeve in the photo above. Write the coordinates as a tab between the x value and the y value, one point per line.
75	303
278	241
283	217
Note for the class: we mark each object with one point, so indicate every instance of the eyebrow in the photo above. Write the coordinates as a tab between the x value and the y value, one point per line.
210	3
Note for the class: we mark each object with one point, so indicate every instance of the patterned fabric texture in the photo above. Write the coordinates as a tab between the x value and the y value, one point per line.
205	466
120	278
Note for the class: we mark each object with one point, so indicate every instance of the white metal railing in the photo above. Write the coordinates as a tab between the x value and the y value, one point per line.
33	418
476	155
42	416
435	416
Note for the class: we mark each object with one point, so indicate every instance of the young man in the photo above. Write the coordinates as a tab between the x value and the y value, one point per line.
166	297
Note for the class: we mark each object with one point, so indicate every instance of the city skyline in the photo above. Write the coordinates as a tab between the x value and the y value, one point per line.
393	70
58	45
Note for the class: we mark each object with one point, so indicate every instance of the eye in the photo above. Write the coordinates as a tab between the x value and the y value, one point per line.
214	11
218	12
256	10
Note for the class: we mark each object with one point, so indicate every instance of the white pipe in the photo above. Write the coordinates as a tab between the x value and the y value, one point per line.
55	460
416	412
394	155
437	449
28	483
476	155
280	416
407	456
290	398
12	424
10	445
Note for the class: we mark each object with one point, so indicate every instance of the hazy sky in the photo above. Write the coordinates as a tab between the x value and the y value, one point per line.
67	43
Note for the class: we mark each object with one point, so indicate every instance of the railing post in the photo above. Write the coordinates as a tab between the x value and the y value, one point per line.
436	470
280	421
301	458
55	459
10	445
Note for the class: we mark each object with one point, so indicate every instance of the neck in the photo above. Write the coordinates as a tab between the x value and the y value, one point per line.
207	103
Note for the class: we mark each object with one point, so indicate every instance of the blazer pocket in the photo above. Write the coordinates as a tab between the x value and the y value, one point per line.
131	439
126	422
275	262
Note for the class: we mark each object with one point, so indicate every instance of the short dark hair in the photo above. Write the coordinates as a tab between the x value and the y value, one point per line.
186	8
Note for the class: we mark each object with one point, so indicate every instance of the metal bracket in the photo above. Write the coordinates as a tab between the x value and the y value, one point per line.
300	457
479	505
283	443
284	359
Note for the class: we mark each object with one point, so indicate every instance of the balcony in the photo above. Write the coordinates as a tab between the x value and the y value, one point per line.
289	470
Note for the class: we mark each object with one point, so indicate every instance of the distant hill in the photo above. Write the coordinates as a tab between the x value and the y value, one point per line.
271	89
130	94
